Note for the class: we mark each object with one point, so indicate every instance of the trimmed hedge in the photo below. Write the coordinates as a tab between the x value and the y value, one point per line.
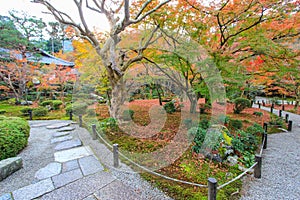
14	133
55	104
40	111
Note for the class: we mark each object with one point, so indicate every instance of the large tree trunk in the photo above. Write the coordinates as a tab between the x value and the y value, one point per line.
118	97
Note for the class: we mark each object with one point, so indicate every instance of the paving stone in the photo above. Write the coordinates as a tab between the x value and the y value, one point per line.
66	178
59	134
34	190
91	197
40	125
50	170
72	154
61	139
117	190
68	144
9	166
81	188
90	165
58	125
70	165
6	196
66	129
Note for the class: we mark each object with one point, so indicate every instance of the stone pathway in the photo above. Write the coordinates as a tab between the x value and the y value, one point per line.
280	166
71	171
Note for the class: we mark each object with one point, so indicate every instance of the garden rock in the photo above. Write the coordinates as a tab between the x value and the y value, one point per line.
9	166
232	160
64	129
58	125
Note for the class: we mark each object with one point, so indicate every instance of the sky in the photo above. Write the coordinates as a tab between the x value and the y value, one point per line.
34	9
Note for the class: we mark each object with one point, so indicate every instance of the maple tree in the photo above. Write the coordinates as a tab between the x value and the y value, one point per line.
113	59
16	41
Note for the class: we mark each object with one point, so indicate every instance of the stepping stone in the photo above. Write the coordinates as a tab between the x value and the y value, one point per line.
6	196
59	134
40	125
68	144
68	128
58	125
67	177
90	165
72	154
61	139
34	190
50	170
70	165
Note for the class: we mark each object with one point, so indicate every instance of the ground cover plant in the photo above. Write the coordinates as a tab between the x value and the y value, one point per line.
194	165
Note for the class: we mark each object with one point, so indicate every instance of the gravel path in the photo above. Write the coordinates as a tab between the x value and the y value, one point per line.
280	166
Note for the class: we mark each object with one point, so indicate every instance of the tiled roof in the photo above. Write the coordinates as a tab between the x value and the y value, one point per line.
43	57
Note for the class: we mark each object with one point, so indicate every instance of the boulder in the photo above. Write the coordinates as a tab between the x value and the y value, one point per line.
9	166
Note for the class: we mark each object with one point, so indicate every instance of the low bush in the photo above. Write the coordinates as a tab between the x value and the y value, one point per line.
240	104
204	124
46	103
244	142
256	113
2	112
235	124
14	133
255	129
25	110
108	124
127	115
56	104
40	111
90	112
169	107
197	135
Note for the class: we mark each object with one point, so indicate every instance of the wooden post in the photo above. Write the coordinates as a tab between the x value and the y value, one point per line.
272	105
258	105
80	120
212	188
94	132
283	107
271	109
263	103
280	113
116	155
30	114
257	168
286	118
266	127
71	115
290	125
266	140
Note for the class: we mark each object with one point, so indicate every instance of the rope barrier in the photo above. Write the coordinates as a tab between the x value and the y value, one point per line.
149	171
177	180
238	177
262	146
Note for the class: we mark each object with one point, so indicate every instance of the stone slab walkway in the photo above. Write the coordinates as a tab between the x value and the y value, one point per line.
280	166
61	161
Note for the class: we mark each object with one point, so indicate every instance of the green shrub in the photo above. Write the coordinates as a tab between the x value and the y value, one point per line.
56	104
2	112
255	129
11	101
240	104
169	107
277	121
204	124
76	108
127	114
197	135
108	124
235	124
46	103
223	119
14	133
244	142
40	111
25	110
256	113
